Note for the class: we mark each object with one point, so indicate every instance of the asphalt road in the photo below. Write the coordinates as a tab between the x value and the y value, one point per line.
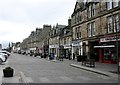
39	70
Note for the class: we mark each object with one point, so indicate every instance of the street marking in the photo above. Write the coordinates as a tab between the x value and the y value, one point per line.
66	78
44	80
29	79
23	78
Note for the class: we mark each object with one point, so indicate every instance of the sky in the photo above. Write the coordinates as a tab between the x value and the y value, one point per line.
19	17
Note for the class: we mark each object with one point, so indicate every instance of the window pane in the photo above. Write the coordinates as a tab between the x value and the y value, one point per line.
110	24
93	28
93	10
116	23
89	12
109	4
115	3
89	30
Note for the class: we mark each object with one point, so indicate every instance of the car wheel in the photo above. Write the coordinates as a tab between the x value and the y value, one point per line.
0	61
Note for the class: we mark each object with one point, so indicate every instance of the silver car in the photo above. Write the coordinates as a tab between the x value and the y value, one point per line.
2	59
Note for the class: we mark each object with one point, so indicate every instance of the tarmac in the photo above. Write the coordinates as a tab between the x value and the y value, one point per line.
100	68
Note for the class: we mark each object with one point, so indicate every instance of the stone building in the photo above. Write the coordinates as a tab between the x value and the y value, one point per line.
66	40
54	40
35	41
96	30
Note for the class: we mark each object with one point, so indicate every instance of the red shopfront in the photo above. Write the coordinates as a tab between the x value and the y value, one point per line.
108	49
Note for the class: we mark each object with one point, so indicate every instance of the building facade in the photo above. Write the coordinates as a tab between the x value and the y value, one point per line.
97	27
54	40
35	41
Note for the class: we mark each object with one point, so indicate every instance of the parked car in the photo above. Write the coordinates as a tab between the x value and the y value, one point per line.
2	59
5	55
6	52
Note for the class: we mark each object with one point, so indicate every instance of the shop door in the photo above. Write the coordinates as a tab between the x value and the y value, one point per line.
96	54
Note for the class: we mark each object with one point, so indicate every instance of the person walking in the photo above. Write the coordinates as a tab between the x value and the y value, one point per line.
73	56
69	55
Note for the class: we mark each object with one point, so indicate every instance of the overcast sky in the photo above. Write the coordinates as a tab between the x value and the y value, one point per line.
19	17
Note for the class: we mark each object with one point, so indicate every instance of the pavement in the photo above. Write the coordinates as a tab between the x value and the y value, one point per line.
100	68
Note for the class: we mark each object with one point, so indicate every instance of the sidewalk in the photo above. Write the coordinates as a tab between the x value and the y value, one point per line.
100	68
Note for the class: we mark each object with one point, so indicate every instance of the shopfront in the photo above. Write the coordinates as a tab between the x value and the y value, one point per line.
108	49
77	48
67	50
54	49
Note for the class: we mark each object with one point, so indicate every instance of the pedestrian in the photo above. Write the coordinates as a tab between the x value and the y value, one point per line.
44	55
73	56
69	55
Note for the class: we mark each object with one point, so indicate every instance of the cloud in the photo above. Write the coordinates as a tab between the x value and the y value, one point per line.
19	17
13	32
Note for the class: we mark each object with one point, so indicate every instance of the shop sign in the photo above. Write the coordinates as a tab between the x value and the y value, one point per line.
111	38
67	46
53	46
76	43
32	48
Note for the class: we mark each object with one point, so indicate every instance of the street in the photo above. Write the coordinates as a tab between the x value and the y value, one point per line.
37	70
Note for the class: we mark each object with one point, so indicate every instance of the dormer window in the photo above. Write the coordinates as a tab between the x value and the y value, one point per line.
91	10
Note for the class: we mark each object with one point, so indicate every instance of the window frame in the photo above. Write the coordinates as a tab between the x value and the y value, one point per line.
110	24
91	29
111	4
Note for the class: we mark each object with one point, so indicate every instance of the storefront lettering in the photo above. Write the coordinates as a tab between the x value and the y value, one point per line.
76	43
112	38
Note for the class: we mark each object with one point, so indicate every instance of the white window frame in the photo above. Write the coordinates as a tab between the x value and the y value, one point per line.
115	3
112	4
89	29
116	23
109	4
110	24
93	9
89	11
93	28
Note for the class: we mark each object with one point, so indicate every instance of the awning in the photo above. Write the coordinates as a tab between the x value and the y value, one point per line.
105	46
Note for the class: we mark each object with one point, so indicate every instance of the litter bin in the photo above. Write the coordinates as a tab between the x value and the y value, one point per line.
79	58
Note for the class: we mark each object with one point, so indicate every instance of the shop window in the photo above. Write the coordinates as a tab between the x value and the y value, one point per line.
110	54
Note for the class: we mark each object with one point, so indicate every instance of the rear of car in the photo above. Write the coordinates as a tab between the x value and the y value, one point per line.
5	55
2	59
5	52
